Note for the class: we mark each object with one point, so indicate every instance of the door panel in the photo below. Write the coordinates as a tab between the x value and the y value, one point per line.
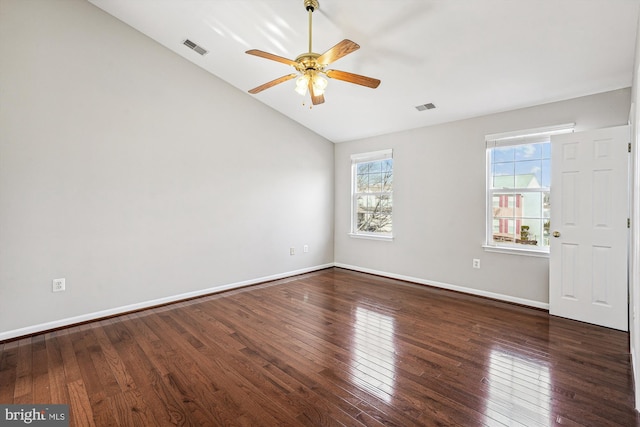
570	270
589	200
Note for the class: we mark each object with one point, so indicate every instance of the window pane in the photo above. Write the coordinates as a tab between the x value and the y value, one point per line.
374	213
502	154
546	151
504	168
362	183
372	202
362	203
385	205
528	152
519	218
388	182
363	220
546	226
374	177
503	206
363	168
503	175
503	230
375	182
383	223
546	204
531	205
530	232
375	166
546	173
528	174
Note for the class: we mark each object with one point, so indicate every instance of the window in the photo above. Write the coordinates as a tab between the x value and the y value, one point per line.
372	194
519	189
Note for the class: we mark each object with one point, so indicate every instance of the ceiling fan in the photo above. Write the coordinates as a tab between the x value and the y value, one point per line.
310	66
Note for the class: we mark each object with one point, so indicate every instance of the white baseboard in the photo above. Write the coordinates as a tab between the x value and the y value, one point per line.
30	330
34	329
472	291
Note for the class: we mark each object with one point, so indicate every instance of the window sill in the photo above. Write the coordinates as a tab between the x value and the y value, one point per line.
386	238
516	251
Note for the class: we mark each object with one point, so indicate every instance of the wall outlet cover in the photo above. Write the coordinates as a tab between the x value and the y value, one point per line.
58	285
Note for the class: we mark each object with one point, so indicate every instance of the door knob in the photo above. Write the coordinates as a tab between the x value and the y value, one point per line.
556	234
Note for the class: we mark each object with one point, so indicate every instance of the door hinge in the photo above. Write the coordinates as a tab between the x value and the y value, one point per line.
629	147
628	222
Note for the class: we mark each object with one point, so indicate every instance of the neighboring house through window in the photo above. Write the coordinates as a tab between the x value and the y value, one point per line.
372	194
519	188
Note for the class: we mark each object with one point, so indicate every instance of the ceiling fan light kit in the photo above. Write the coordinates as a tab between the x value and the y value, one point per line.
311	66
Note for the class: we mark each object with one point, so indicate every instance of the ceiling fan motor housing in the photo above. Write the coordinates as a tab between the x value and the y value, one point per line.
308	61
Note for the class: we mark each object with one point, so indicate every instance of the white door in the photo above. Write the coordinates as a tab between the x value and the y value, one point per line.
589	211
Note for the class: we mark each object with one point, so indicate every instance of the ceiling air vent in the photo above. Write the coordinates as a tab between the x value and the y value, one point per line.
423	107
194	46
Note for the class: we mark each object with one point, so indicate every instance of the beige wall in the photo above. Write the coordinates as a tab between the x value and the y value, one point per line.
138	176
439	201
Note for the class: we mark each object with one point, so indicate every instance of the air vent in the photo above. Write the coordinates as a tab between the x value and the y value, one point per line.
423	107
194	46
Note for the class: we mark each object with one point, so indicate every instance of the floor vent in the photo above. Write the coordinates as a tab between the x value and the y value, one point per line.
423	107
194	46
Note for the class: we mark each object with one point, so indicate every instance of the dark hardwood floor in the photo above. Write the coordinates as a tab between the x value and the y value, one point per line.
333	347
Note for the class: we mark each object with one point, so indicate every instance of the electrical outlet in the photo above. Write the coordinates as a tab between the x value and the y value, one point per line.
292	251
305	248
58	285
476	263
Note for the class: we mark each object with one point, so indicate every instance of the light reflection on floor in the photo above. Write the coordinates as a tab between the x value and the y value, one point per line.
522	386
373	366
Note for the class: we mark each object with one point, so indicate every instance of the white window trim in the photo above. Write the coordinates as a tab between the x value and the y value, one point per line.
372	236
362	158
372	156
527	136
516	250
521	137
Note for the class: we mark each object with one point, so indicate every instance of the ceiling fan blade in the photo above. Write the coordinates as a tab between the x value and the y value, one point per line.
319	99
315	99
353	78
272	57
343	48
273	83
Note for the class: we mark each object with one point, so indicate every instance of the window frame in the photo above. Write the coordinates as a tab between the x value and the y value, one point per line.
514	139
366	158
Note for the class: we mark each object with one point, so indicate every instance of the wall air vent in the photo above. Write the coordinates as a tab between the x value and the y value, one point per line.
194	46
423	107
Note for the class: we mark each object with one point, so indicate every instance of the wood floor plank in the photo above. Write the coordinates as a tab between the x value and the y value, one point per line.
8	372
130	409
80	409
112	358
189	379
23	386
332	347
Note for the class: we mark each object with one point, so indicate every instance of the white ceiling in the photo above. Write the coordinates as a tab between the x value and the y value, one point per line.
468	57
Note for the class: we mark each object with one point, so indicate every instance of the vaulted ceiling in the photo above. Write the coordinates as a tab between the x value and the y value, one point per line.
467	57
